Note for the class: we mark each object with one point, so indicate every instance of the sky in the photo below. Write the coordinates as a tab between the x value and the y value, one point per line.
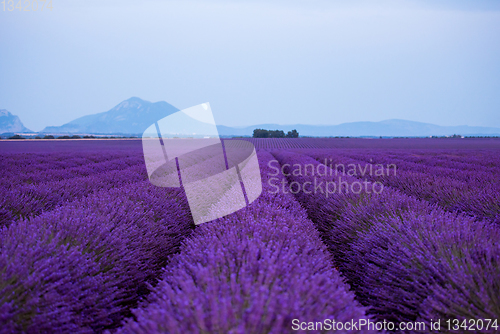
287	62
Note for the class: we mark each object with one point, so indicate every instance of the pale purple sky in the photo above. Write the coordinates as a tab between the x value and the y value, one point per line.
287	62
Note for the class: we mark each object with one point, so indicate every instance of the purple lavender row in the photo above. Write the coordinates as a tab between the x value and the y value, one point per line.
56	160
474	176
406	259
254	271
485	160
478	160
19	175
357	143
420	185
478	196
81	267
32	200
443	167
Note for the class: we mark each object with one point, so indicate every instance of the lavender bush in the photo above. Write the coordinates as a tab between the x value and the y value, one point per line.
403	257
434	266
472	190
119	240
85	239
31	200
251	272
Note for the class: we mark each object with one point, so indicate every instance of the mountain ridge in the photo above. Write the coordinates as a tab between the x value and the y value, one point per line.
11	123
134	116
387	128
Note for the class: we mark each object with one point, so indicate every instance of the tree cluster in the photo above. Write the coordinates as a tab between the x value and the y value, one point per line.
261	133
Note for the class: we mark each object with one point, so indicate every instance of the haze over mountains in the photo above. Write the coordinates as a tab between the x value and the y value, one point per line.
11	123
388	128
130	116
134	116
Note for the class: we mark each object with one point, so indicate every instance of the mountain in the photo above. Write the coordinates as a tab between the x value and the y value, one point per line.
11	123
388	128
132	116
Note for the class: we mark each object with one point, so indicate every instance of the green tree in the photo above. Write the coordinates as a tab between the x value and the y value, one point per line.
276	134
260	133
292	134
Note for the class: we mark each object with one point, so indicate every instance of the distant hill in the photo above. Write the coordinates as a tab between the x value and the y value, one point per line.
132	116
11	123
389	128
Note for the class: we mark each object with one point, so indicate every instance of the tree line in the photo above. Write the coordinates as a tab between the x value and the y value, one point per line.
262	133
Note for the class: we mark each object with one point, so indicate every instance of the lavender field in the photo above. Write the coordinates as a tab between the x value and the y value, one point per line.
347	236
